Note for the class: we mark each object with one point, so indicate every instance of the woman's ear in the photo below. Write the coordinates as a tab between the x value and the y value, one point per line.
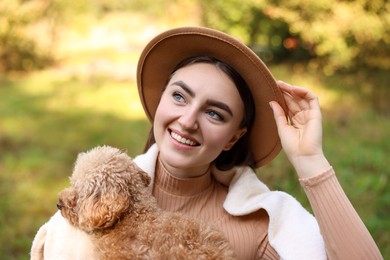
240	132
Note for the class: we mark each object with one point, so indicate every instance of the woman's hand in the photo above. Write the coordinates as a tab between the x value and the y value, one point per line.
301	135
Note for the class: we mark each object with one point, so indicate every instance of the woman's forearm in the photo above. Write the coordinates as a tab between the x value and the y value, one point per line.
344	233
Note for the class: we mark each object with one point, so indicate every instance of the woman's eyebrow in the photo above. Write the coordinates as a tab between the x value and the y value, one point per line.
210	102
185	87
220	105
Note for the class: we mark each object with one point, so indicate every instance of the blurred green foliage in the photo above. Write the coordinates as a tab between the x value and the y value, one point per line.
85	93
17	50
335	34
338	34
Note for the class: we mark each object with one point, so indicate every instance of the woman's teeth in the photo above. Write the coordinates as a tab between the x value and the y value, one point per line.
182	139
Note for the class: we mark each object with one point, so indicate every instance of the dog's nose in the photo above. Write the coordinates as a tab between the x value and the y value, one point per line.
59	205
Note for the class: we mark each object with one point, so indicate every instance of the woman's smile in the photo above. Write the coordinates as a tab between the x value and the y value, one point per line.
182	139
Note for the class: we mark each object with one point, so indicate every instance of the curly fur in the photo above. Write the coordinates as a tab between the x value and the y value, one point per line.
109	199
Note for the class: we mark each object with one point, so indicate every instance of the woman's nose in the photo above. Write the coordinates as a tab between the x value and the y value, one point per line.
188	120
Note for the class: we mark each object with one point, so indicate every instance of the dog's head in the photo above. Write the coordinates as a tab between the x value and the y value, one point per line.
104	185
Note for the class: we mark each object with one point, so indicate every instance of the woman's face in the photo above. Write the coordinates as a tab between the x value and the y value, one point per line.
198	117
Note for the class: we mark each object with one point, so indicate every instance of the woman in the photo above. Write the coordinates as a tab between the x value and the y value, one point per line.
217	114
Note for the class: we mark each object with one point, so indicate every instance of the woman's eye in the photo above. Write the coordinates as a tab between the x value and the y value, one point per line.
215	115
178	97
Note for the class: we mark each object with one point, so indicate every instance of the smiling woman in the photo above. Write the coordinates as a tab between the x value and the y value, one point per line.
217	113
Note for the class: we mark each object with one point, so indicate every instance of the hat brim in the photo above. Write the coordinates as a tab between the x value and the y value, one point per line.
166	50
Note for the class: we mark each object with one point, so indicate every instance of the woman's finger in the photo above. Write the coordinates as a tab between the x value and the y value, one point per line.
279	114
292	105
302	96
284	86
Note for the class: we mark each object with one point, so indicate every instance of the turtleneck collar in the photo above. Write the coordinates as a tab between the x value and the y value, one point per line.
180	186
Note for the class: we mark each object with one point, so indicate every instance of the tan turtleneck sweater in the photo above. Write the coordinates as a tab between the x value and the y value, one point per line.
202	198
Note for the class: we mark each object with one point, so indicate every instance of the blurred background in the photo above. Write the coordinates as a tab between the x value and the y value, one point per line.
67	84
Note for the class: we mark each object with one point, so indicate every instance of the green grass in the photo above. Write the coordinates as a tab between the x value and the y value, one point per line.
44	123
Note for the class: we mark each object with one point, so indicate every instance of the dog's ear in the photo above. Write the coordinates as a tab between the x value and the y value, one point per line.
102	210
67	204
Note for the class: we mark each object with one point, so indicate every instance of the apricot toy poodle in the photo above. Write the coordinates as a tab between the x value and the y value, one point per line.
109	198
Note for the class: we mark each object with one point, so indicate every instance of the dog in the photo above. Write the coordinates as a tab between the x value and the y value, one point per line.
110	199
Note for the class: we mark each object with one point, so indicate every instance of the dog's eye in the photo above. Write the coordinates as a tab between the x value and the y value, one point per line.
59	206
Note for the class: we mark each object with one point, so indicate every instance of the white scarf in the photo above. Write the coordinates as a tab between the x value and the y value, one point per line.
293	232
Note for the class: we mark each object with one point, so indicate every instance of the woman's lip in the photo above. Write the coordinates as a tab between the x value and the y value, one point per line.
183	139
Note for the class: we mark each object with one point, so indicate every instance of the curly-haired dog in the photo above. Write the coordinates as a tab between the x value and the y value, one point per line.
109	199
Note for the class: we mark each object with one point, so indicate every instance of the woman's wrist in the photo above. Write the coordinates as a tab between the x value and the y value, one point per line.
310	166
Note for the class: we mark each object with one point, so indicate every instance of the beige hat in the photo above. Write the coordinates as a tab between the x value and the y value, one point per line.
166	50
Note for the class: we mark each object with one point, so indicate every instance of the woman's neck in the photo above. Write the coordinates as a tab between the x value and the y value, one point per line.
180	186
185	173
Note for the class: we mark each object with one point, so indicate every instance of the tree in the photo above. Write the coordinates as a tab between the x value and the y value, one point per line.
26	25
17	50
339	34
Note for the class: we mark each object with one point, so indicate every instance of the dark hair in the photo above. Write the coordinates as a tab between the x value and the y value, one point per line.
240	153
